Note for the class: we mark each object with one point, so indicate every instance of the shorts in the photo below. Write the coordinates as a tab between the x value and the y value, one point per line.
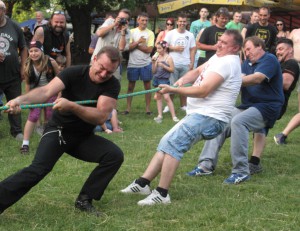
188	131
179	71
139	73
156	82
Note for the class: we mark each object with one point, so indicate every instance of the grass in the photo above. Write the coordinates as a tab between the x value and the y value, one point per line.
269	201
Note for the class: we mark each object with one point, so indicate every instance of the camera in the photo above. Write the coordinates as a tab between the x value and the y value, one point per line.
123	21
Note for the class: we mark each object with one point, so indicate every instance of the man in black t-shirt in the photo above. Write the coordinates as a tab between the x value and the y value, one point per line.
55	37
209	37
263	29
71	129
12	47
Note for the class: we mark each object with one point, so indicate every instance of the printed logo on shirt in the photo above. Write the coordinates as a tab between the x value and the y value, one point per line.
4	44
263	34
218	35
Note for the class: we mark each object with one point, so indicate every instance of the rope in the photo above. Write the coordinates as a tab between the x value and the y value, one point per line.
43	105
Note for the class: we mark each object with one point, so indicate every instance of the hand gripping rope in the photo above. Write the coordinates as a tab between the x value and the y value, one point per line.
42	105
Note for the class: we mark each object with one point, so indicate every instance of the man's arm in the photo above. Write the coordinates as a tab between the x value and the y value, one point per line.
37	95
68	53
96	116
253	79
39	35
211	82
192	56
102	31
23	56
288	79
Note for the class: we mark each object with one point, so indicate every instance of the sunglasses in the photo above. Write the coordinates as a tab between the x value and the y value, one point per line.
169	24
279	24
59	12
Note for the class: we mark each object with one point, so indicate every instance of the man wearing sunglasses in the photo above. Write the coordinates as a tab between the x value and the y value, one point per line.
54	37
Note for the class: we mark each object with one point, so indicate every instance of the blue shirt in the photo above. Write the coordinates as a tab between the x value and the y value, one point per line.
267	96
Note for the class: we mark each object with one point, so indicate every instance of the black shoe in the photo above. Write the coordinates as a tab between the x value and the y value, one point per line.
85	205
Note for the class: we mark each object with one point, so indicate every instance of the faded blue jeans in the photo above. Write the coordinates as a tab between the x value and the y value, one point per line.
243	122
188	131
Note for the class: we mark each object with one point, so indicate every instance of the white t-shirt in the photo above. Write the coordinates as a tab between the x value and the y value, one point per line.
220	103
186	39
139	58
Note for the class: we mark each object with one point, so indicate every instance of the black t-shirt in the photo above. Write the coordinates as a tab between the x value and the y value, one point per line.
267	33
210	36
79	87
11	41
290	66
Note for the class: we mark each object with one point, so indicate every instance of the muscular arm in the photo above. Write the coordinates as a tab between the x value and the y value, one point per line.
38	95
96	116
287	80
39	35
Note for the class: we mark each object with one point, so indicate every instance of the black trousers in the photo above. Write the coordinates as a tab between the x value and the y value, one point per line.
11	91
53	144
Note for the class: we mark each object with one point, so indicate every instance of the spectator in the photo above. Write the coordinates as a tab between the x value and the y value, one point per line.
111	124
211	99
182	48
70	130
263	29
254	17
114	32
290	75
40	20
61	62
92	46
261	102
39	71
170	23
236	22
209	38
282	32
162	66
54	36
12	47
139	64
198	26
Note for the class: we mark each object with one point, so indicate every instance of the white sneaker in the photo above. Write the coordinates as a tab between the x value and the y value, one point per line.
158	119
155	198
175	119
166	109
135	188
183	108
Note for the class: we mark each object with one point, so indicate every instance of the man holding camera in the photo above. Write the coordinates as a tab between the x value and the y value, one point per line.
114	32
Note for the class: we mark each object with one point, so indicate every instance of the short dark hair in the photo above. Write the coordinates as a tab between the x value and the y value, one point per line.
237	37
143	14
222	11
265	8
286	41
112	53
181	15
126	11
257	42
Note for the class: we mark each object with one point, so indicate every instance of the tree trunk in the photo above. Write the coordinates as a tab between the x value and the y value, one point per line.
81	21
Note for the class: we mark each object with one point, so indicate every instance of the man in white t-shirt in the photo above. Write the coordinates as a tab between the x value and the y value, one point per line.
182	48
211	99
114	32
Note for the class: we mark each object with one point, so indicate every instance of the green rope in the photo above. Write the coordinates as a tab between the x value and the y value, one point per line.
43	105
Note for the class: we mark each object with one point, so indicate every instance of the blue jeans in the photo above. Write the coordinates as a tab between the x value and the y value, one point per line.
191	129
243	122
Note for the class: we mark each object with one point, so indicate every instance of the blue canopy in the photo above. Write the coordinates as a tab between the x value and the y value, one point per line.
29	23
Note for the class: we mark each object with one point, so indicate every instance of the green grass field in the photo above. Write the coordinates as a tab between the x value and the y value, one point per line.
269	201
